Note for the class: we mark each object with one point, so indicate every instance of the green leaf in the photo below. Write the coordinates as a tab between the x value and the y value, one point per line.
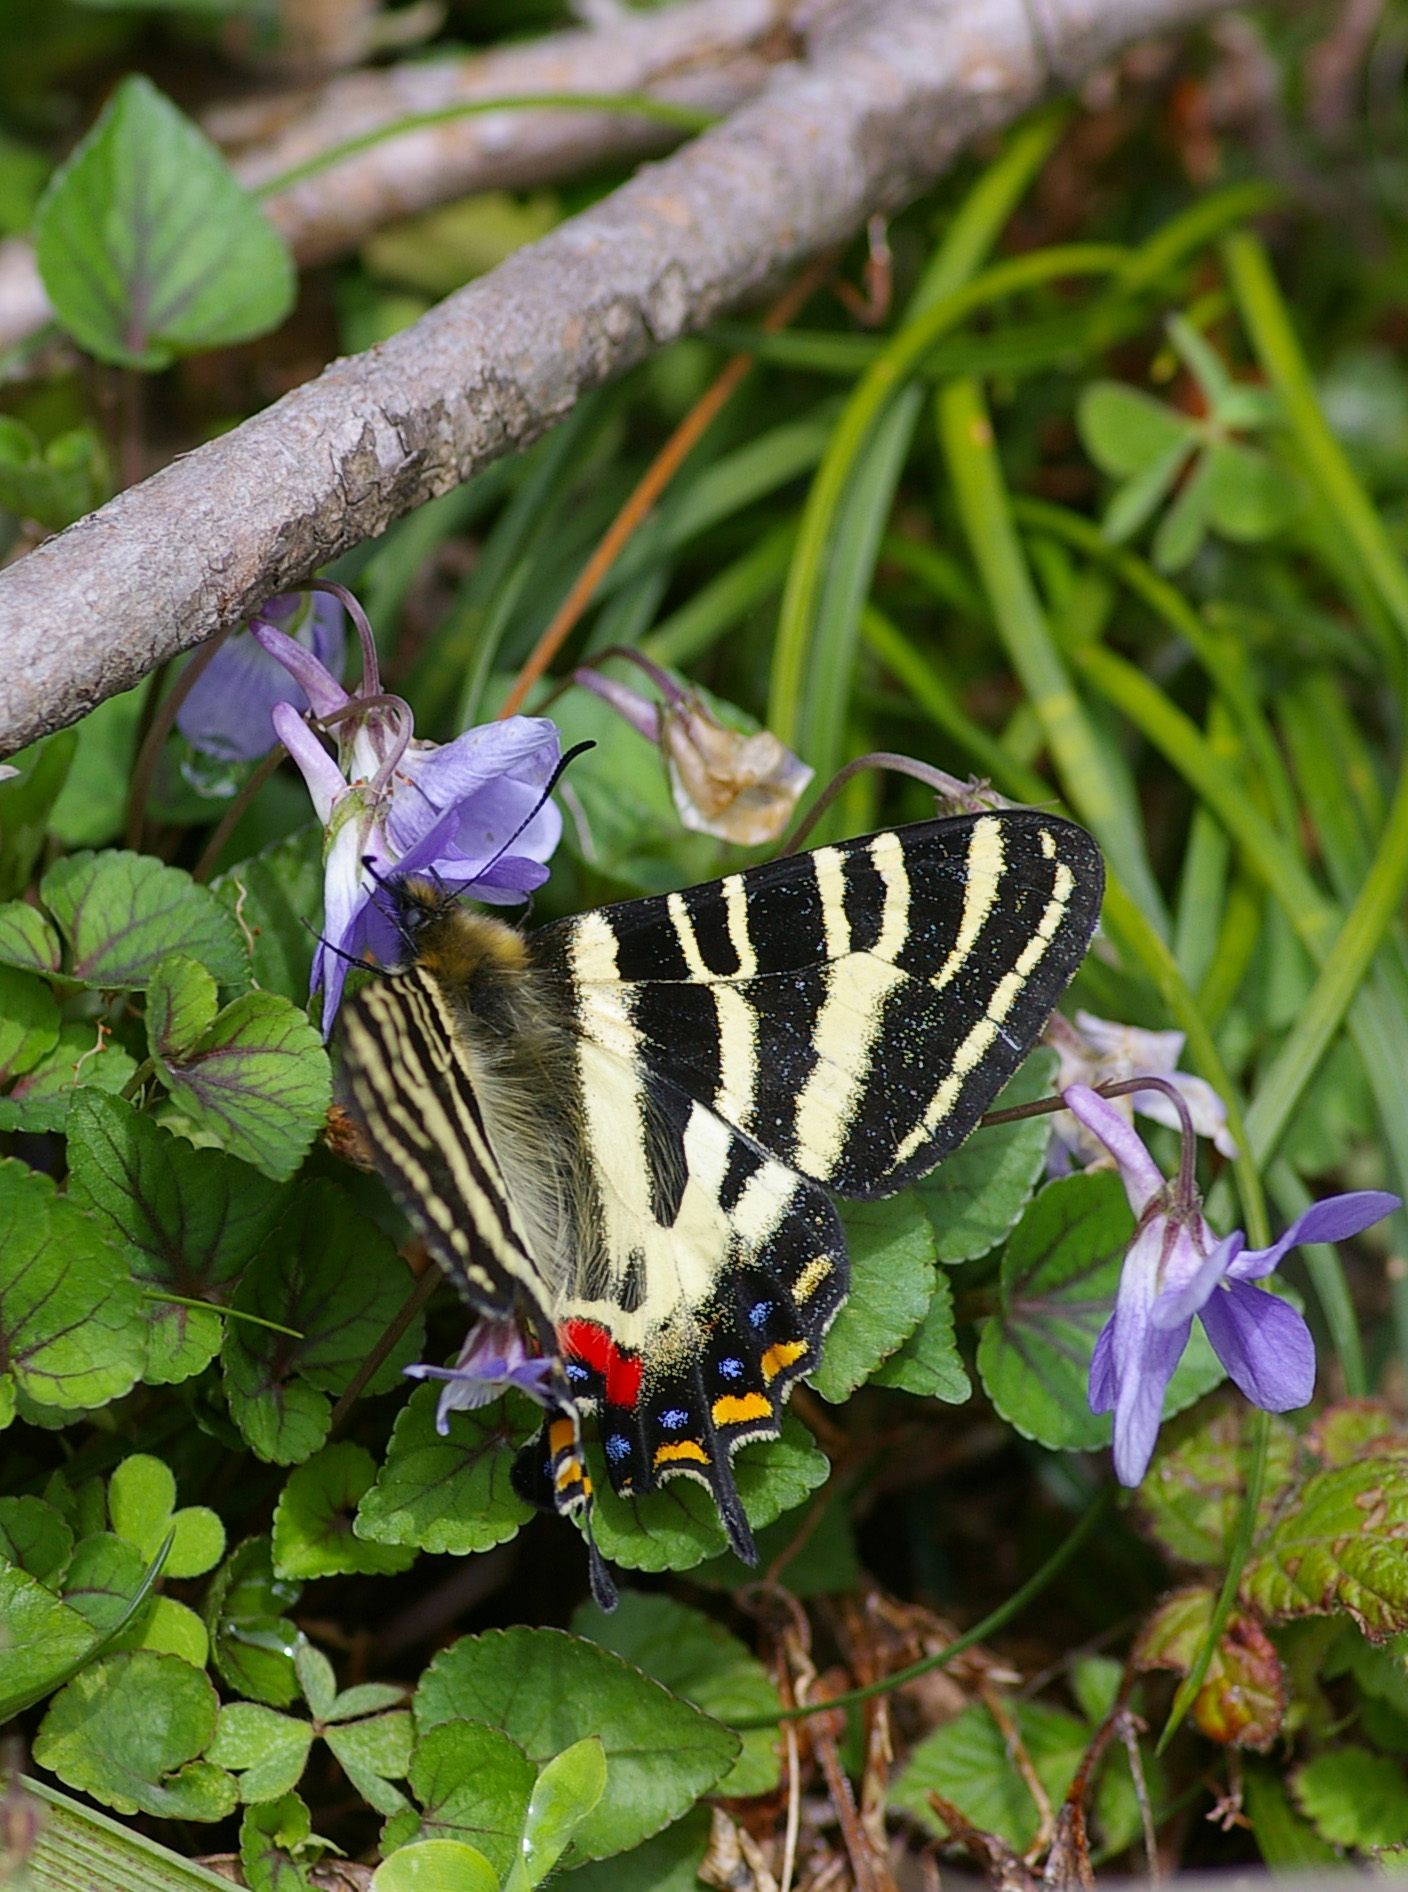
976	1195
1125	431
104	1576
122	914
435	1865
187	1221
697	1659
332	1276
92	805
147	245
1249	497
372	1753
1139	497
1354	1797
253	1643
546	1690
1057	1289
1242	1699
566	1791
27	799
70	1319
128	1730
316	1679
86	1057
268	1751
813	1559
1177	540
679	1525
1283	1837
43	1638
452	1493
967	1762
929	1362
55	484
27	939
1192	1495
142	1500
313	1534
473	1783
171	1629
668	1862
1337	1546
892	1279
277	899
258	1078
36	1538
182	1000
29	1022
277	1846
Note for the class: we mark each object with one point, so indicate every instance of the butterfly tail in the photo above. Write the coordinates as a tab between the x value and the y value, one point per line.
551	1472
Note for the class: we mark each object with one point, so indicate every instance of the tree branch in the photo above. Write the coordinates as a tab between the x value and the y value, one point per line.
890	92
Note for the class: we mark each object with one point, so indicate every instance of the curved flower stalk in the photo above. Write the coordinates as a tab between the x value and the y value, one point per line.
1176	1268
227	713
473	812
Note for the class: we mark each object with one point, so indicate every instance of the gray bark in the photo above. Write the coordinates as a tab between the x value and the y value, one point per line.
890	91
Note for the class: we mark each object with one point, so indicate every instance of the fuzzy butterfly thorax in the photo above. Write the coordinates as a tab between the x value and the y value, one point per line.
621	1129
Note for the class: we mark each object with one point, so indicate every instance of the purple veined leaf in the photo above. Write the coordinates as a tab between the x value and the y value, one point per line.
147	244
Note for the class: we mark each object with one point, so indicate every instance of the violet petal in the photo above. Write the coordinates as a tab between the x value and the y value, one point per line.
1142	1178
1333	1220
1264	1344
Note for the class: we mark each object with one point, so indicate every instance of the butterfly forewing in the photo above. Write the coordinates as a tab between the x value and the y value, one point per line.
853	1010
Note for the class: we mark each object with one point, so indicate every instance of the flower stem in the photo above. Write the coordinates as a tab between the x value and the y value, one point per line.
1227	1596
991	1623
162	722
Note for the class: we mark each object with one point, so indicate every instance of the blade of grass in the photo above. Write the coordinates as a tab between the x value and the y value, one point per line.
653	482
928	689
1268	323
1090	787
630	104
1187	1692
716	607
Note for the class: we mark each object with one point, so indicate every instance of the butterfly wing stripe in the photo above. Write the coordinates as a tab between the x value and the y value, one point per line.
418	1104
980	1038
986	861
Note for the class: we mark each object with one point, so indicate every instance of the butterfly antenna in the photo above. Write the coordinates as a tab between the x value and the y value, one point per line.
353	959
580	748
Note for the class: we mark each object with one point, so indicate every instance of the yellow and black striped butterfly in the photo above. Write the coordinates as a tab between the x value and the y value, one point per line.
620	1129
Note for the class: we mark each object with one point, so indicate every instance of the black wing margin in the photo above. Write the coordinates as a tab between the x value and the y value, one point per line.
855	1009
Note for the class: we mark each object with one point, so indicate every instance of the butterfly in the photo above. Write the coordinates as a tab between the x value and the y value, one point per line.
619	1131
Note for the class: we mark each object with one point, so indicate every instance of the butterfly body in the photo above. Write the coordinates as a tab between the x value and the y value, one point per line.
622	1128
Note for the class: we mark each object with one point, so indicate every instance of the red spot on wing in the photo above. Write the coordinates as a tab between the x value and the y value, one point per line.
594	1347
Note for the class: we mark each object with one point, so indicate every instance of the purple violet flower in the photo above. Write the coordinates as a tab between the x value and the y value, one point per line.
493	1359
227	712
1175	1268
471	813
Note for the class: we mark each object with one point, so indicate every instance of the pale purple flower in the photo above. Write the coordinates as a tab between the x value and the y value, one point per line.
227	714
473	813
1175	1268
493	1359
1099	1051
